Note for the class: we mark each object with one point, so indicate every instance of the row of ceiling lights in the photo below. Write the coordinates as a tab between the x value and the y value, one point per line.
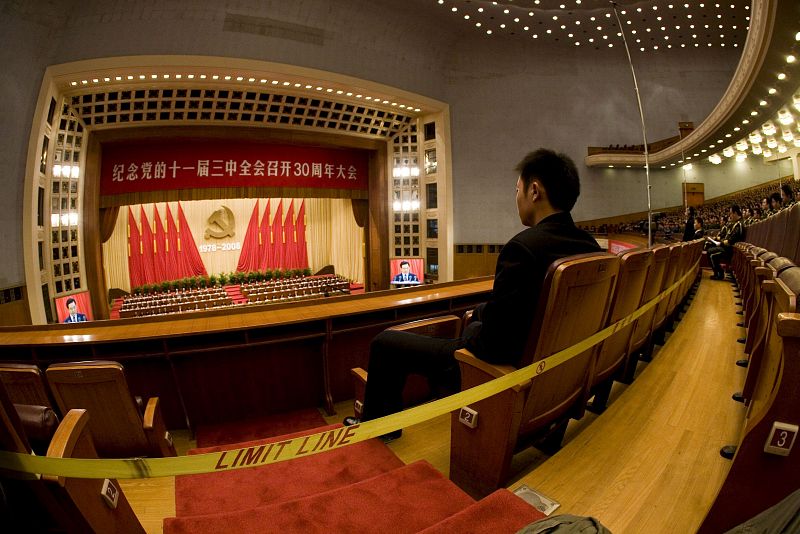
774	136
228	77
525	23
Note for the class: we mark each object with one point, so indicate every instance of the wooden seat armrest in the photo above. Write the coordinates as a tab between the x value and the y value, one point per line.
155	429
789	324
447	326
491	371
71	440
359	374
764	272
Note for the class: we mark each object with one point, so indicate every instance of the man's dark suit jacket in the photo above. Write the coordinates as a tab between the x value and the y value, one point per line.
521	268
411	278
80	318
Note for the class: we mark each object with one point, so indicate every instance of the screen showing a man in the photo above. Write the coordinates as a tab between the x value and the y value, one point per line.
405	276
74	315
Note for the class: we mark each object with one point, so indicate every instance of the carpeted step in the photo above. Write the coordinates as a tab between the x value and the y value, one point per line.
211	435
275	483
407	499
500	512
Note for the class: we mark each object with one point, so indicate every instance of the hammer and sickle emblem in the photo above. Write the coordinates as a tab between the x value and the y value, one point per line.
540	368
221	224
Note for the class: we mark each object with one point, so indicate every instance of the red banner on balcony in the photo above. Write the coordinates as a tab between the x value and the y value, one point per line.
136	167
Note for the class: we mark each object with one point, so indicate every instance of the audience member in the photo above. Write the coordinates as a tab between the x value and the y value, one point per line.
547	188
723	251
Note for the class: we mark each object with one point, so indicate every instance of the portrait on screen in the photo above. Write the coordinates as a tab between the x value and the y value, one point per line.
75	308
406	272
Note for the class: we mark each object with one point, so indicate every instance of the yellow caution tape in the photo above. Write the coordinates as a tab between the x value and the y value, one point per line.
309	445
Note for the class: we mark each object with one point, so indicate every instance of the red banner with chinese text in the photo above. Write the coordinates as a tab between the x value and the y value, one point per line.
136	167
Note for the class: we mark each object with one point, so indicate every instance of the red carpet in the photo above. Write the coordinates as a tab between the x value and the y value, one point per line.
258	428
235	293
280	482
406	499
116	306
502	511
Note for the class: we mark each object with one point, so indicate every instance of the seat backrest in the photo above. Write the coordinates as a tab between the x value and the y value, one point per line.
669	278
628	295
777	231
652	288
574	304
100	388
24	384
791	240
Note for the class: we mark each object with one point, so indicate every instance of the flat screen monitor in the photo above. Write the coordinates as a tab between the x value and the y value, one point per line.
407	272
75	308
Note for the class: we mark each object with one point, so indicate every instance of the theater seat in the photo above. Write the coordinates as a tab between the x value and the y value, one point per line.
24	384
119	429
574	304
417	389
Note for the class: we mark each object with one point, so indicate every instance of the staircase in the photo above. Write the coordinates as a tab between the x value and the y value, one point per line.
358	488
235	293
116	306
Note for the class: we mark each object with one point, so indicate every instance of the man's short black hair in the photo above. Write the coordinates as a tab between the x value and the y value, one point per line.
735	209
699	220
71	301
556	172
787	190
776	197
404	262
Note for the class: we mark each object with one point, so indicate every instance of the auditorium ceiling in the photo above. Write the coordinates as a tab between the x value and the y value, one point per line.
756	116
649	25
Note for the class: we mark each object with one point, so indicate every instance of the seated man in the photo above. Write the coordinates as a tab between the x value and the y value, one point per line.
547	188
698	228
722	252
74	315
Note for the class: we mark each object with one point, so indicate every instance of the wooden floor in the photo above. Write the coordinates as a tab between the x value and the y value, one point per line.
649	464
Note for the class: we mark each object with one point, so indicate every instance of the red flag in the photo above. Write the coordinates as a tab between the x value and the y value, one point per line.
290	260
302	252
160	249
277	238
251	253
147	248
135	271
189	254
266	244
174	271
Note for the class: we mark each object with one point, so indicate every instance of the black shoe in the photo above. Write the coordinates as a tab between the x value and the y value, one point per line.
740	312
350	421
738	397
742	362
728	451
391	436
716	277
741	340
740	324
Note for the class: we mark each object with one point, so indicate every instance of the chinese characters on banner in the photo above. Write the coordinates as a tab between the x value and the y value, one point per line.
184	164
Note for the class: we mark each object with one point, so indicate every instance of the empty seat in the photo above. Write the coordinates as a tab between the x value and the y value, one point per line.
24	384
119	429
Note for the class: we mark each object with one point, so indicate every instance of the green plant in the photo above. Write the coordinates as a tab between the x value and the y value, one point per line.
165	286
192	282
306	272
213	280
222	279
268	275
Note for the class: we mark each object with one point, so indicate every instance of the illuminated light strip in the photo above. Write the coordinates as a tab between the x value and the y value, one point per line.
311	444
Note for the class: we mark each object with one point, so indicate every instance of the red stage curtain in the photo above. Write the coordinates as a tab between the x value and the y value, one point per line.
147	248
189	253
135	269
250	256
290	258
277	238
302	251
265	234
160	249
174	271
